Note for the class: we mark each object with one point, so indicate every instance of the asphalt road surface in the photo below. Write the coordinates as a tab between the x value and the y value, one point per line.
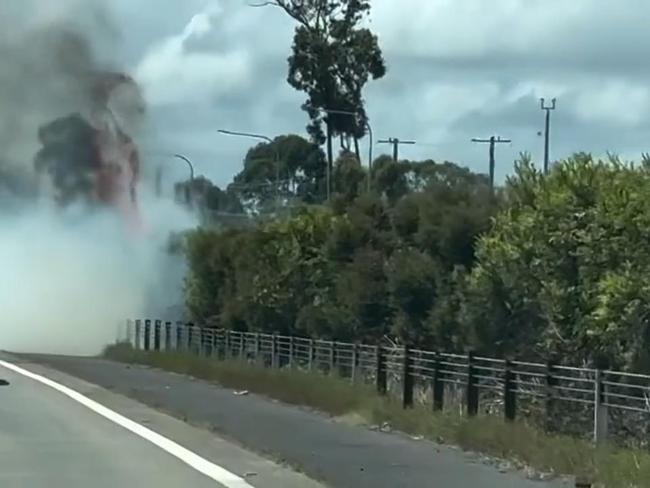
49	439
337	454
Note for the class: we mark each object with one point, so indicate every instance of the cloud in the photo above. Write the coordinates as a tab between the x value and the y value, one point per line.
456	69
170	73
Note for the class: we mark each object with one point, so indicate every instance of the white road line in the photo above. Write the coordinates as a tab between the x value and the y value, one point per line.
202	465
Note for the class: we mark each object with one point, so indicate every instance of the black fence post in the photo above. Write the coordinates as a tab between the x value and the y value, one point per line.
291	351
380	364
274	351
168	336
227	344
147	335
214	348
189	328
549	394
312	354
472	389
241	346
407	379
258	346
156	335
138	333
179	336
355	363
129	331
203	343
509	395
437	385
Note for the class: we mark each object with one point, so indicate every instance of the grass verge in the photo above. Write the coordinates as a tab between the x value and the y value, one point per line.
608	466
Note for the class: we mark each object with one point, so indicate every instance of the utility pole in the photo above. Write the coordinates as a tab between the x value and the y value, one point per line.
548	109
492	141
395	142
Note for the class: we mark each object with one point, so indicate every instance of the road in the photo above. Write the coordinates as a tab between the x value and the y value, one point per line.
338	454
50	439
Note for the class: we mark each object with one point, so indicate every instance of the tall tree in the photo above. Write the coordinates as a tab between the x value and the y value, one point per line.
332	59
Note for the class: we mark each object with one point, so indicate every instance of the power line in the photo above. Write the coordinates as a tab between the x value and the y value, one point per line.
395	142
492	141
547	129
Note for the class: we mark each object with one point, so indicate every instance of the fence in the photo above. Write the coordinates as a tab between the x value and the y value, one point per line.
574	400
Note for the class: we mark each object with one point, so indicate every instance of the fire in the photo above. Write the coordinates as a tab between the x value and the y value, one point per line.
91	156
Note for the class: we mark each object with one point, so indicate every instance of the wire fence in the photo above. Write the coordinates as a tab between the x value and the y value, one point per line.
590	403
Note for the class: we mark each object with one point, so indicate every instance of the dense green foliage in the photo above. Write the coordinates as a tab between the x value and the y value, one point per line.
564	270
370	265
552	265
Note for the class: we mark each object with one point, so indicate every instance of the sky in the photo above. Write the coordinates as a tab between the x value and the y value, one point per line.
457	69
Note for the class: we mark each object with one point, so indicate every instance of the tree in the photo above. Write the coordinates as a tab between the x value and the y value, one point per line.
214	204
564	270
349	177
301	173
332	60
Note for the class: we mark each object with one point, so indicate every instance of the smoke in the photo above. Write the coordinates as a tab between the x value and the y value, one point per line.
69	276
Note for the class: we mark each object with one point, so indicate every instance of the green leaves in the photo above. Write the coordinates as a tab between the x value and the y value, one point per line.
369	268
565	269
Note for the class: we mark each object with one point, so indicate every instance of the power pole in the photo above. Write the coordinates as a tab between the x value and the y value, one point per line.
548	109
492	141
395	142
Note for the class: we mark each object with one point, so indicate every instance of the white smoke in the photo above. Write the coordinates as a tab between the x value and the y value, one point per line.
69	278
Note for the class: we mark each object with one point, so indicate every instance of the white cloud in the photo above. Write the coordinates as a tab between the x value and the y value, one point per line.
613	101
171	74
456	69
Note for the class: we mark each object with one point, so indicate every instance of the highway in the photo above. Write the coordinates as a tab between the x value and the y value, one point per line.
49	439
334	453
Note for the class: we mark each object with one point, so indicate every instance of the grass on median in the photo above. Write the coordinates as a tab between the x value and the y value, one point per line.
611	467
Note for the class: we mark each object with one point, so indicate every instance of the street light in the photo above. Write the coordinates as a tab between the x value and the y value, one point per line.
276	155
367	125
189	163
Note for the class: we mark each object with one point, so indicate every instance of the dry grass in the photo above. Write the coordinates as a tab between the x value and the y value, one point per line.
357	404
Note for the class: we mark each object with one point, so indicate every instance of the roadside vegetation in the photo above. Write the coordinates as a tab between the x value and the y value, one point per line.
524	446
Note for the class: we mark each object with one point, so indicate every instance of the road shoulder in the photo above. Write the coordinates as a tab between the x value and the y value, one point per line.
255	469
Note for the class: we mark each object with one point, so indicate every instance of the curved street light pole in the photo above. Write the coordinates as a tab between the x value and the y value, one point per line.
368	127
251	135
188	189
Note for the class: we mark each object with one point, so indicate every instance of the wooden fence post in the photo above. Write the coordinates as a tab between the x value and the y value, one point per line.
600	409
509	396
380	370
471	388
332	357
156	335
147	335
437	386
407	379
138	333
